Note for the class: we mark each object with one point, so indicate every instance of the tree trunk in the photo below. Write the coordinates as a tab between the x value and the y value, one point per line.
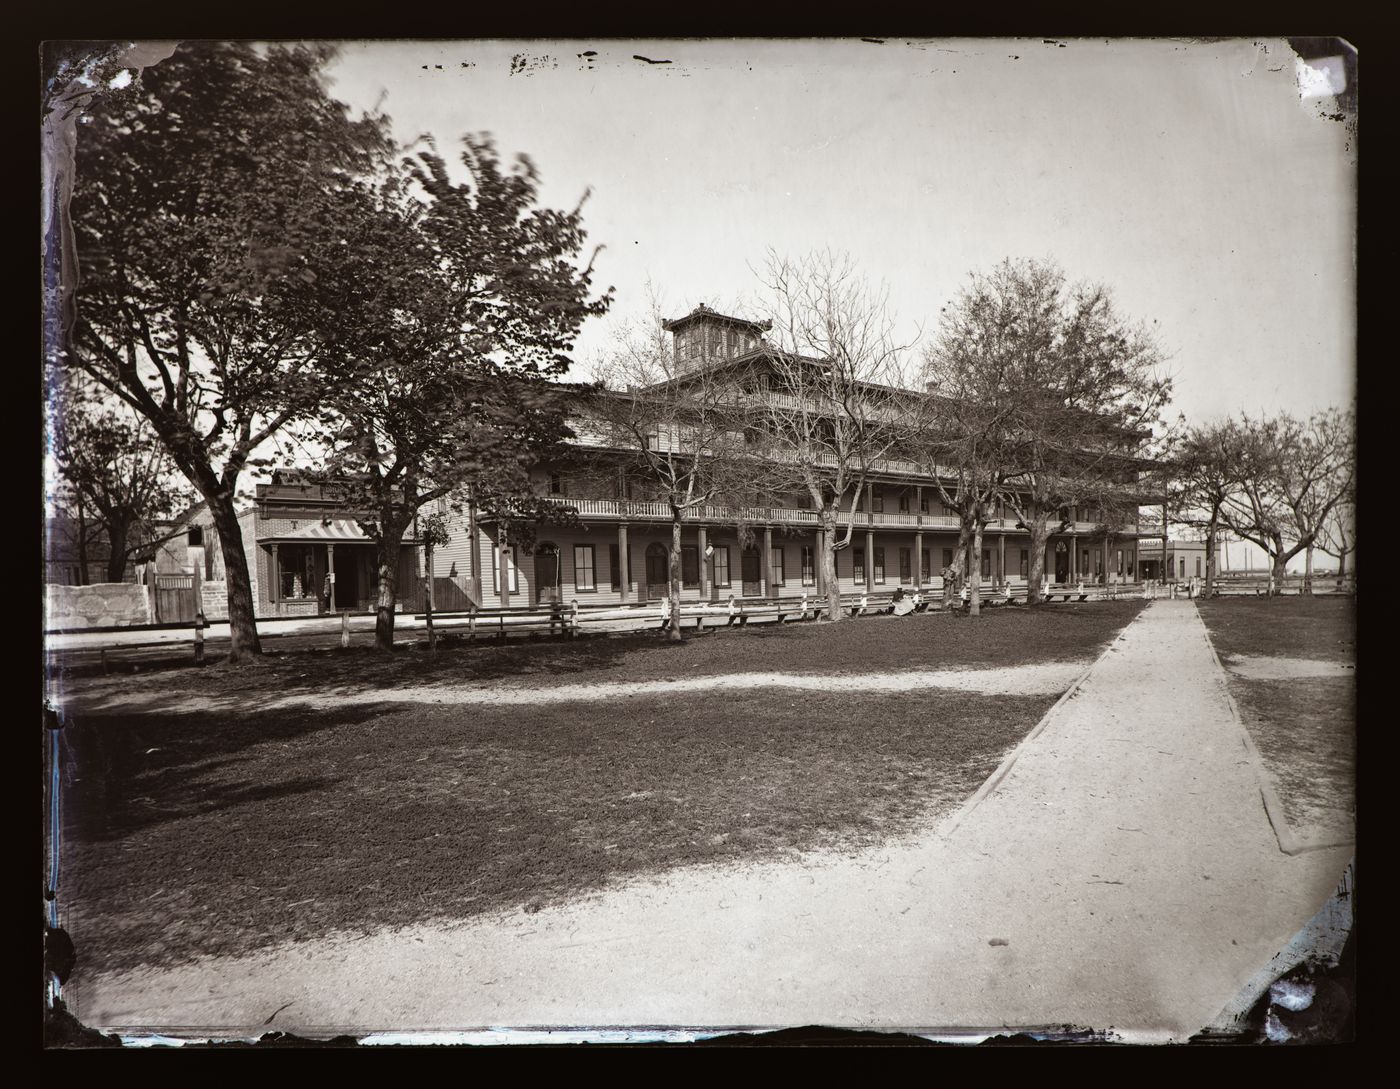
1040	533
827	559
391	536
82	543
1211	533
1341	563
428	599
974	597
674	590
959	568
1279	568
117	533
1307	571
242	625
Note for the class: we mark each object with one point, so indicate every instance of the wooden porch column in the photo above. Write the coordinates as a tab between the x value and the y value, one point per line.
706	583
918	504
765	584
1074	557
475	539
276	576
820	541
622	572
869	560
503	565
1164	540
1107	556
330	570
1001	558
918	560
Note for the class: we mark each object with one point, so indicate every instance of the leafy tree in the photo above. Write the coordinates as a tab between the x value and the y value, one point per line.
448	323
1071	387
115	475
834	411
199	188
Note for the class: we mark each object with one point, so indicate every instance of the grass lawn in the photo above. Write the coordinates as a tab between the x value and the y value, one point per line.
1305	727
190	834
869	644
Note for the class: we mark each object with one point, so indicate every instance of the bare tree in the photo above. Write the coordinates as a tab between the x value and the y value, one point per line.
678	429
1338	536
1073	390
830	407
1292	475
1204	474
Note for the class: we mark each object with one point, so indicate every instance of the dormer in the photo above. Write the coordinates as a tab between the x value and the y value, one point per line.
705	335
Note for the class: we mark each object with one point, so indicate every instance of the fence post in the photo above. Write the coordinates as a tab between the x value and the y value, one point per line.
199	638
345	628
573	618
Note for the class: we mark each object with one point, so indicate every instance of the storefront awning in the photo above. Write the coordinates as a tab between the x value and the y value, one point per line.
329	531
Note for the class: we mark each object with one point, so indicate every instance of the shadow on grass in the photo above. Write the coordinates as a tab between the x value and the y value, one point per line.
242	831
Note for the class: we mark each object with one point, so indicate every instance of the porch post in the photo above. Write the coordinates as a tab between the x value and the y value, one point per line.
1107	571
330	570
918	560
765	584
475	539
1001	559
1074	557
276	576
623	575
869	560
1164	540
705	583
503	565
819	540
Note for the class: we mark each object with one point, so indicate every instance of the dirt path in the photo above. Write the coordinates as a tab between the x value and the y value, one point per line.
1117	873
1027	680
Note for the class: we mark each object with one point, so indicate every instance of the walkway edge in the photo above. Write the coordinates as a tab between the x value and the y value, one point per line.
1008	762
1288	842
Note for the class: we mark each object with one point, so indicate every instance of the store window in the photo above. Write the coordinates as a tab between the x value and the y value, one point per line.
809	567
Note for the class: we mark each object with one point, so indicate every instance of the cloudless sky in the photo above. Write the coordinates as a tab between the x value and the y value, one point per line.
1191	178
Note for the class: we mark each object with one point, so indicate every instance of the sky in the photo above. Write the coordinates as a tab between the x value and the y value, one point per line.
1193	179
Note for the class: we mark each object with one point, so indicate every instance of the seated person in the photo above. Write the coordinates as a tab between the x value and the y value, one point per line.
900	604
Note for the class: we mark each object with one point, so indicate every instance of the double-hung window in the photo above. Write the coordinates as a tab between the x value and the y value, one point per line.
584	579
721	561
512	579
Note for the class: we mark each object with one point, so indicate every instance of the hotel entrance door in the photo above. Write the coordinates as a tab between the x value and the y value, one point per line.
1061	563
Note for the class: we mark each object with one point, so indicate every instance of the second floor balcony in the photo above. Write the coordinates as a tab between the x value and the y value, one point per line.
659	511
